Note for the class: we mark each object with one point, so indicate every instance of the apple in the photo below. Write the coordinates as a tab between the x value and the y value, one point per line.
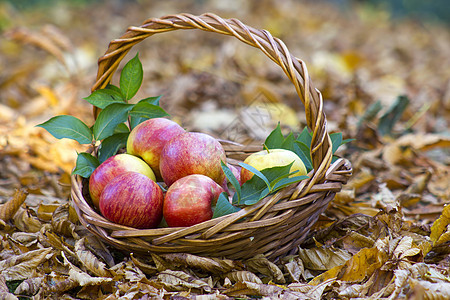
147	140
132	199
189	200
270	158
113	166
192	153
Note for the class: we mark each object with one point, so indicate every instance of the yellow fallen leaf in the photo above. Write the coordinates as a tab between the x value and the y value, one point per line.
440	231
356	269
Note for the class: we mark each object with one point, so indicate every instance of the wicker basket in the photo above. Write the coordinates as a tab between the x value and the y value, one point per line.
275	225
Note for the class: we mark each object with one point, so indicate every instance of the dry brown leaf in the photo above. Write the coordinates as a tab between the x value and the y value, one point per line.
323	258
144	267
24	221
311	291
261	264
216	266
179	280
246	288
240	276
45	211
295	269
82	278
29	287
90	261
25	265
427	290
9	209
61	223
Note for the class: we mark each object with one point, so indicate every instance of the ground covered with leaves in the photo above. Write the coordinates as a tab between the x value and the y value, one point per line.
386	83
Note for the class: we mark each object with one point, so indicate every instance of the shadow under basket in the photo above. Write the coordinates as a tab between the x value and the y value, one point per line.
274	226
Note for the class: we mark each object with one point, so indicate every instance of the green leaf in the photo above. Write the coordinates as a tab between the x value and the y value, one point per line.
336	141
151	100
304	153
224	207
103	98
86	164
253	190
305	137
275	139
288	142
121	128
143	111
392	115
232	179
256	172
114	88
109	118
65	126
111	145
287	181
131	77
256	189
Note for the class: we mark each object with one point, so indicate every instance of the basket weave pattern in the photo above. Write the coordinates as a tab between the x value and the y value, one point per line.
273	226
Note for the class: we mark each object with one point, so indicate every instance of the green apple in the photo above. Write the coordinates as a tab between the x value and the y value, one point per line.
270	158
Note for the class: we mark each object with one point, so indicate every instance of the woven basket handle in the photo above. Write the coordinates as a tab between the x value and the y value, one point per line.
294	68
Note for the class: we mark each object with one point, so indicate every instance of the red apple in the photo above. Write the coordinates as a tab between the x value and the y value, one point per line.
189	200
113	166
192	153
147	140
132	199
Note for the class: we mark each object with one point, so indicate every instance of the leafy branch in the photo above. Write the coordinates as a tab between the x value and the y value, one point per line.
113	123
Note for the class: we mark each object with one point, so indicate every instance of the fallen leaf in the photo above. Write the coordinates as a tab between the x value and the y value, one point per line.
9	209
440	231
261	264
23	266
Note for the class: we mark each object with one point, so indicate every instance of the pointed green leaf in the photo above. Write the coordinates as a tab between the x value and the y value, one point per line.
131	77
66	126
288	142
336	141
232	179
114	88
224	207
287	181
143	111
305	137
256	172
103	98
275	139
86	164
256	189
121	128
109	118
111	145
151	100
303	152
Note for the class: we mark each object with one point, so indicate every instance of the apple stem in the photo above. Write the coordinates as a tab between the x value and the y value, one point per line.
265	148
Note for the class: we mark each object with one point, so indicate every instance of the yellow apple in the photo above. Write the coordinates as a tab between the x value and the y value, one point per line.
272	158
